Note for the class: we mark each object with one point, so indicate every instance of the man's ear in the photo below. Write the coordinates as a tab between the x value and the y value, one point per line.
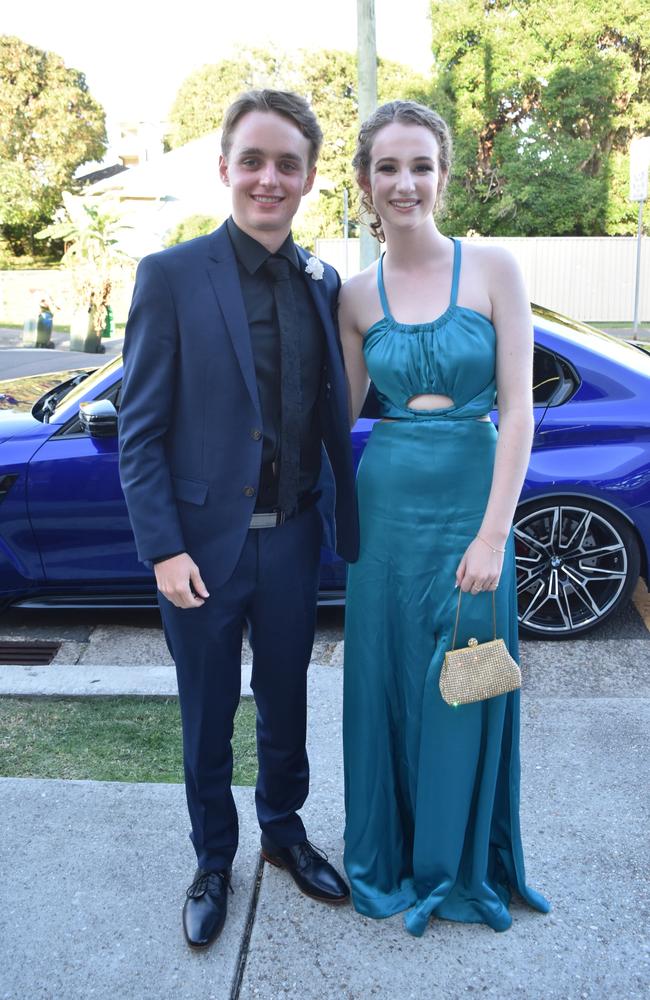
309	181
223	170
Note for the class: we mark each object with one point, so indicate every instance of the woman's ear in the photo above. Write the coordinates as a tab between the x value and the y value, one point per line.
442	184
364	183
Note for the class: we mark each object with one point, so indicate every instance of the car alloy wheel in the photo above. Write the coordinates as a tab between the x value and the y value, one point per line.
577	561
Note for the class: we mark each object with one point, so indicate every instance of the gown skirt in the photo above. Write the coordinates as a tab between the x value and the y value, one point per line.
431	791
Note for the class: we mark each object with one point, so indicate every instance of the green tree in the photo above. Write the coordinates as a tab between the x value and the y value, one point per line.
190	227
543	97
203	97
329	80
49	126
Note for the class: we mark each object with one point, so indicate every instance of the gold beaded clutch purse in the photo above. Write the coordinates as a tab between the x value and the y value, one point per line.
479	670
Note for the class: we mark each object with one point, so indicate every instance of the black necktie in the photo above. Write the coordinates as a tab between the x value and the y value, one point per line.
290	387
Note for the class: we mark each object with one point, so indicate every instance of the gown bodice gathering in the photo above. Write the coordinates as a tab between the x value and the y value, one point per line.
453	355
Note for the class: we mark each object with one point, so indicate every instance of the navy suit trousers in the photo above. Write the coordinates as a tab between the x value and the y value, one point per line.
274	590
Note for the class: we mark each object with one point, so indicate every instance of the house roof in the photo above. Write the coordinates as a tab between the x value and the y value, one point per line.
102	174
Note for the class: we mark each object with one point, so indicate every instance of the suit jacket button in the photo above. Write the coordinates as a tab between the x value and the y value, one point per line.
256	433
249	491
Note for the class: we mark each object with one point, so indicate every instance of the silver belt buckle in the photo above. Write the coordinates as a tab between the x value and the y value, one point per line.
270	520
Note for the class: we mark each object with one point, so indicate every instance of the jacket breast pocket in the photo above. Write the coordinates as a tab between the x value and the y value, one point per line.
190	490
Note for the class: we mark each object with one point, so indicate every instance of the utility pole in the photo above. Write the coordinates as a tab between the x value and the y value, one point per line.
367	88
639	163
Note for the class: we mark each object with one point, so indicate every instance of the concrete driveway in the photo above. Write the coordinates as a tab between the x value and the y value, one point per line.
94	873
18	362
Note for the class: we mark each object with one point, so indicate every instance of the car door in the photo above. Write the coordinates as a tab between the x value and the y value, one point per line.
77	508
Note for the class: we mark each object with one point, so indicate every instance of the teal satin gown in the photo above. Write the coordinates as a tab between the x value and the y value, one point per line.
431	791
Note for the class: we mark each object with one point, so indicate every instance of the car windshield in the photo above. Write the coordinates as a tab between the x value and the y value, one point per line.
70	403
23	394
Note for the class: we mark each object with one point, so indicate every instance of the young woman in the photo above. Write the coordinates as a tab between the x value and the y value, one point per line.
432	792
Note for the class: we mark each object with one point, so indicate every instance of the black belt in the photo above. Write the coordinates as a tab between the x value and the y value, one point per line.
274	518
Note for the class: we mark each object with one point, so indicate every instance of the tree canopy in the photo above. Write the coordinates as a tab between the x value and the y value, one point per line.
190	227
205	94
543	97
49	126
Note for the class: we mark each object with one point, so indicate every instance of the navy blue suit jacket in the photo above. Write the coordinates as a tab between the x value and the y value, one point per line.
190	450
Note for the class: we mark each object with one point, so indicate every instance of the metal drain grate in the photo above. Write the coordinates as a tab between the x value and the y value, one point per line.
26	653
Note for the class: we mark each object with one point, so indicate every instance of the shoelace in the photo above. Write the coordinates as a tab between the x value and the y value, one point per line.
306	852
207	881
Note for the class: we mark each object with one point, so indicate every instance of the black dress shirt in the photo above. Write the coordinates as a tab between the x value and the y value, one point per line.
257	292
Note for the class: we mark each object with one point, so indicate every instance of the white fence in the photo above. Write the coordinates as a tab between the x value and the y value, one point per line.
588	278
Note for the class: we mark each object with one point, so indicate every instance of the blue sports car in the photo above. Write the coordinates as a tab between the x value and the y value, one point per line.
582	525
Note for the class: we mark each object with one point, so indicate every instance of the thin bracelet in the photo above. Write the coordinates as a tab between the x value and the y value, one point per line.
500	551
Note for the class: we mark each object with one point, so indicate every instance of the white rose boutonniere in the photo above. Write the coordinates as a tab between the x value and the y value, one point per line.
315	268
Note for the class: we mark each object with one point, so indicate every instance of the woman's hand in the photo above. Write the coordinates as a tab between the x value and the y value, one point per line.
480	568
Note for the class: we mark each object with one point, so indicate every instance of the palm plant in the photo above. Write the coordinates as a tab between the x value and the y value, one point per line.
90	232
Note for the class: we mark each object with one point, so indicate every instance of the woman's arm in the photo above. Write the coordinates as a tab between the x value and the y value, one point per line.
482	563
352	342
513	323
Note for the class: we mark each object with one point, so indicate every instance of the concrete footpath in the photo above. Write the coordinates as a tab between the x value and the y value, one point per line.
93	874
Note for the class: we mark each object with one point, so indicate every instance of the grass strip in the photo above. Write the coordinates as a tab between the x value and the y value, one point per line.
108	739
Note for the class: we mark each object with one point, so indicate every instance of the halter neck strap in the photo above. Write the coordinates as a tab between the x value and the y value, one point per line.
382	290
456	272
455	278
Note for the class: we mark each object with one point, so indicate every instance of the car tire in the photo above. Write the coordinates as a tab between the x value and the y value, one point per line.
577	563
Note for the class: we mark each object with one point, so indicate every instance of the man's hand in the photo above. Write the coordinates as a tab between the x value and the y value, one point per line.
179	580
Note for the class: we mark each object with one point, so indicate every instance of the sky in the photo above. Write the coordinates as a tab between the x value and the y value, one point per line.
136	53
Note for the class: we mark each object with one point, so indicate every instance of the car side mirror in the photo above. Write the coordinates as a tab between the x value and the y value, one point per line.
98	418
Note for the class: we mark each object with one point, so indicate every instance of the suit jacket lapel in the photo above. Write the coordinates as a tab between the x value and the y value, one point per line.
224	277
317	289
322	300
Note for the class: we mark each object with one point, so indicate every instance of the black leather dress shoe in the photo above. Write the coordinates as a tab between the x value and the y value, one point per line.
309	868
204	912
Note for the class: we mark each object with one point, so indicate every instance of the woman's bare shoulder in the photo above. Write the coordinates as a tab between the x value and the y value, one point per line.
491	257
359	300
360	284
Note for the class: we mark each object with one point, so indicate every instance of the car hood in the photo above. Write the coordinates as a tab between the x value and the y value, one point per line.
14	424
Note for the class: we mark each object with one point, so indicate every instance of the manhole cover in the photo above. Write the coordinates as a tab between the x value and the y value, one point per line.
26	653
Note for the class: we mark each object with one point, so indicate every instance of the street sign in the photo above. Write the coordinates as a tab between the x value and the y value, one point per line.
639	162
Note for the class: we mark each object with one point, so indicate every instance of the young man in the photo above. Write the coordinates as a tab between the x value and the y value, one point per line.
233	381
